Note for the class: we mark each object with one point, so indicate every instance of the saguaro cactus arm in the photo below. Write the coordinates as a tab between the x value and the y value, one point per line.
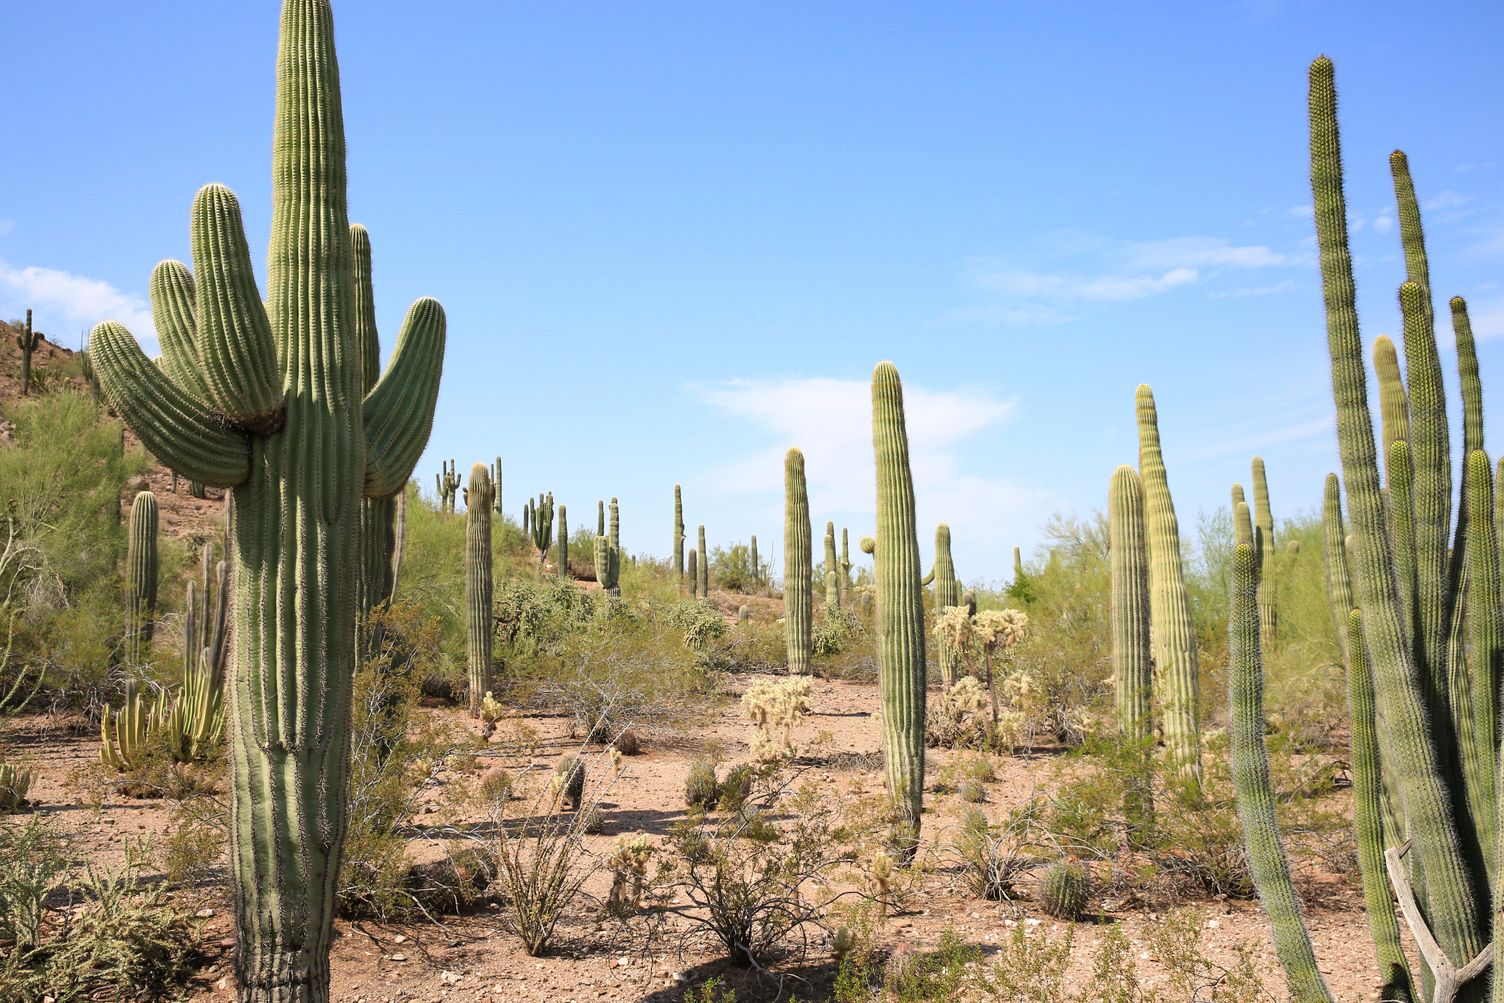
399	409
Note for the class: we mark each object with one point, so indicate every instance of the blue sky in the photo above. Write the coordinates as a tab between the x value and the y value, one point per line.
673	239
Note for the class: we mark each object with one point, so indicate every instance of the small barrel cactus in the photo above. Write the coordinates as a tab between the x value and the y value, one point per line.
1064	890
701	788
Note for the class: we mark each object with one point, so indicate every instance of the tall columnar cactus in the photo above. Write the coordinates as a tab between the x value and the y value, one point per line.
1263	521
608	550
448	484
141	579
1018	565
900	608
478	588
616	529
1172	632
192	721
26	341
1132	660
1426	744
496	485
702	584
798	573
830	564
266	398
756	564
832	592
679	534
845	568
600	518
1339	585
694	573
541	523
563	541
1250	773
947	593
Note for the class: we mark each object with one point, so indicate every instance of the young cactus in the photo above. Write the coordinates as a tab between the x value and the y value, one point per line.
947	593
141	580
478	588
265	396
27	341
900	610
798	575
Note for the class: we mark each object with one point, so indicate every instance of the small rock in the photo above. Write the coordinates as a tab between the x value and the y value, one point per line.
450	978
204	913
398	956
400	939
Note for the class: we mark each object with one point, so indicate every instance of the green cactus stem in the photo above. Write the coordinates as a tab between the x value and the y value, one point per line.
275	410
563	541
830	564
1339	585
702	584
1172	632
448	485
1263	521
1132	660
832	593
947	593
845	568
478	586
616	528
756	564
600	518
1410	737
496	485
1018	565
694	573
679	534
26	341
798	573
900	610
141	580
123	737
1250	774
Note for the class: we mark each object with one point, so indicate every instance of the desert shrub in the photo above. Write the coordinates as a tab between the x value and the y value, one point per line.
731	569
753	646
759	887
961	717
394	757
79	936
992	857
701	787
701	623
775	707
736	788
832	632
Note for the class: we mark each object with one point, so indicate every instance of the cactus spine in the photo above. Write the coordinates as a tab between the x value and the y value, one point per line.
702	585
478	589
797	572
141	583
679	534
1171	632
1131	657
1250	773
271	405
900	608
563	541
26	341
947	593
1263	521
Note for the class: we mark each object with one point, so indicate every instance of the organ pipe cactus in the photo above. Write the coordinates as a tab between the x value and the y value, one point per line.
1430	745
947	593
1250	773
265	398
448	482
1132	659
478	589
1171	632
900	609
1263	520
798	574
141	579
679	534
702	586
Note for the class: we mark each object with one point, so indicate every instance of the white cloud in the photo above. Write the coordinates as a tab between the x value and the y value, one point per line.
829	420
1384	223
999	278
64	304
1202	252
1252	444
1487	320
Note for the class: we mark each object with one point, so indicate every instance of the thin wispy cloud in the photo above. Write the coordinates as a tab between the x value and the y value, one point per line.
1257	443
830	421
64	304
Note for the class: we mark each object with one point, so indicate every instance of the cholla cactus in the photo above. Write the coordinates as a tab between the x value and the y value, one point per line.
628	864
960	716
1000	628
775	708
491	710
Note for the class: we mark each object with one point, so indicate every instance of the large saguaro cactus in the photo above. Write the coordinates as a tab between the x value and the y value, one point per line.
679	534
798	601
26	341
1131	658
1172	632
900	609
832	599
564	541
756	565
267	399
141	580
947	593
702	584
478	588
